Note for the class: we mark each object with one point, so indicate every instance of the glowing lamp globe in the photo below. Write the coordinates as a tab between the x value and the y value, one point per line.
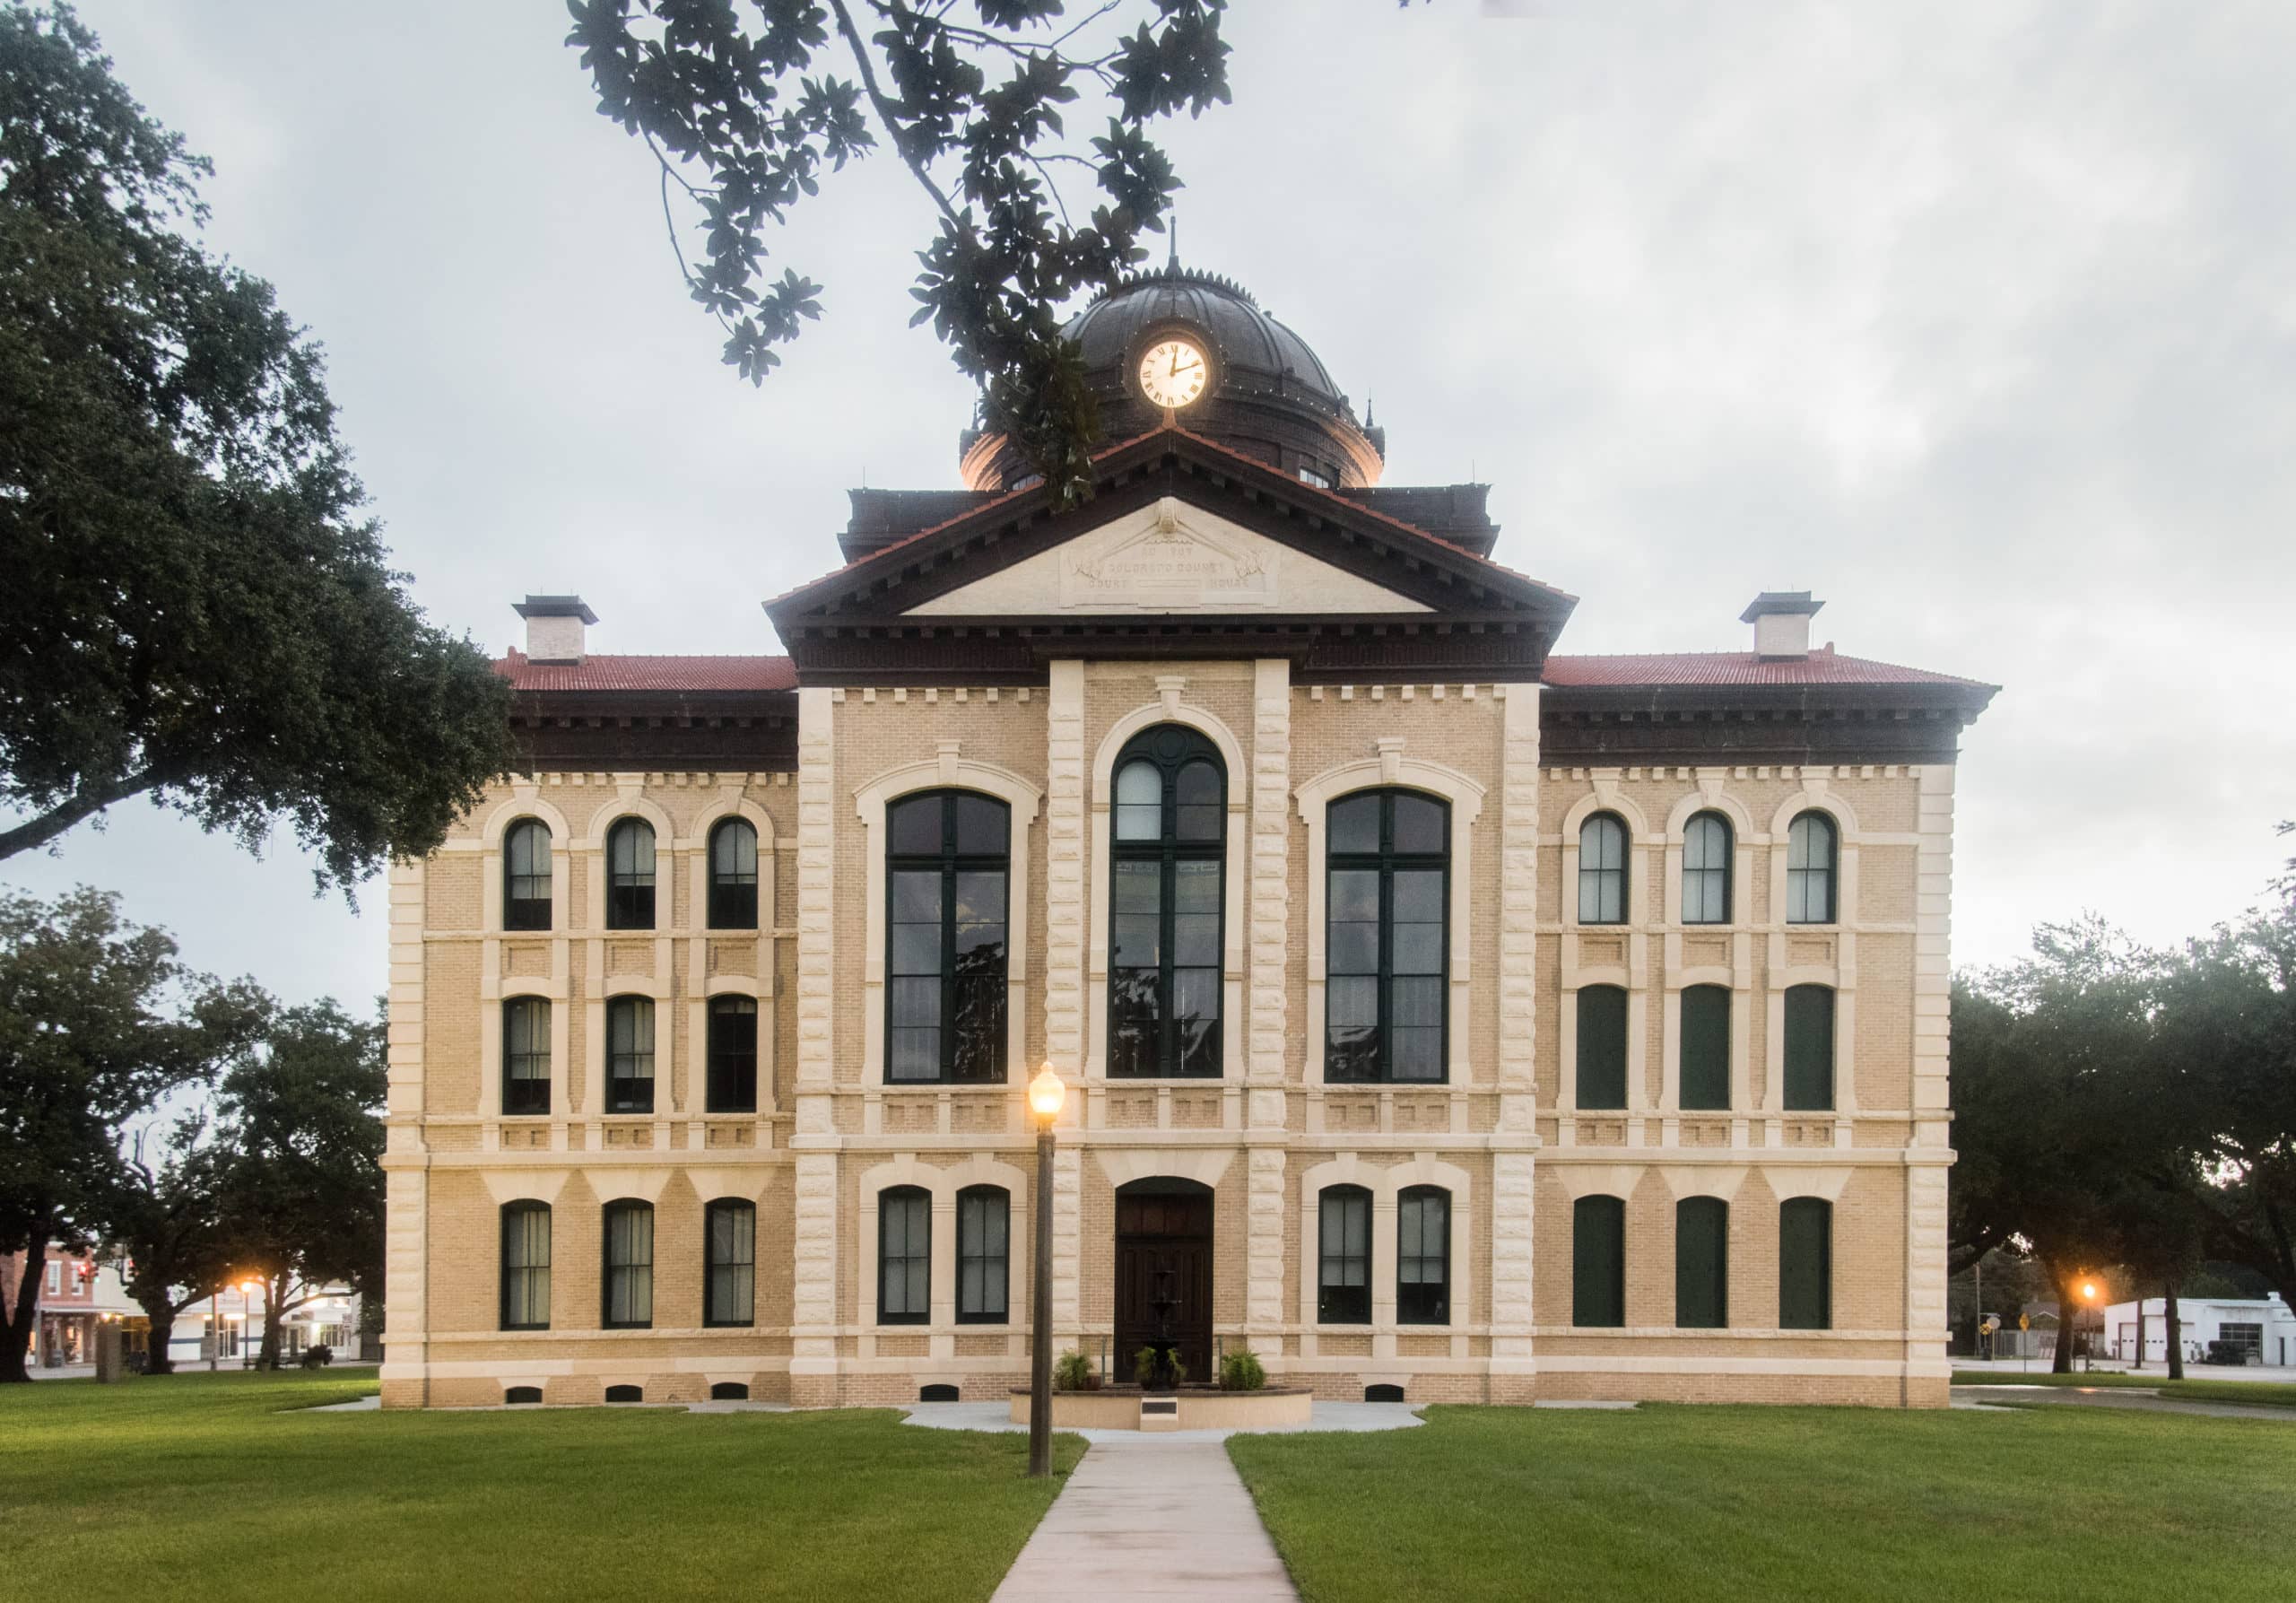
1046	1093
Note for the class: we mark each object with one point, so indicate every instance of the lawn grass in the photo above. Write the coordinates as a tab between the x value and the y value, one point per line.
201	1487
2275	1394
1728	1503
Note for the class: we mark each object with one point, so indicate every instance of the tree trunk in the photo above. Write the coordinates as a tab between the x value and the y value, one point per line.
15	1348
2140	1325
161	1313
2176	1334
274	1294
2068	1317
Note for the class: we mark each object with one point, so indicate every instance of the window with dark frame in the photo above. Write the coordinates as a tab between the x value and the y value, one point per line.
525	876
1705	1043
1702	1263
984	1255
1599	1263
732	1076
630	874
1167	906
948	869
1343	1256
729	1277
1387	943
1602	870
1423	1256
733	875
1805	1264
904	1256
628	1288
1812	852
1808	1048
526	1055
1706	855
630	1054
1602	1048
526	1266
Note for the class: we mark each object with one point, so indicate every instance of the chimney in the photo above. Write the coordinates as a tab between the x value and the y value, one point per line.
554	625
1781	621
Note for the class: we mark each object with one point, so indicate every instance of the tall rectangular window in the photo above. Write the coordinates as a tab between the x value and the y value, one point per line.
629	1265
732	1055
1602	870
1702	1263
1167	912
904	1256
1424	1256
1808	1048
729	1227
525	876
1805	1264
1344	1257
1598	1261
1387	937
630	1054
948	870
1705	1048
733	875
526	1266
984	1254
1811	858
1706	869
1602	1048
630	874
526	1055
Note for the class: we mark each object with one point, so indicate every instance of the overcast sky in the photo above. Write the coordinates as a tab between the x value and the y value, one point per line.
1979	320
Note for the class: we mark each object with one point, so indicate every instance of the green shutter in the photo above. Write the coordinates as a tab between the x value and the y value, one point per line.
1706	1047
1598	1261
1809	1048
1702	1263
1602	1047
1805	1264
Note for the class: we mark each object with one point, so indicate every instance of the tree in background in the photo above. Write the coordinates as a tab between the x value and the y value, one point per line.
301	1185
163	1219
743	110
195	610
98	1020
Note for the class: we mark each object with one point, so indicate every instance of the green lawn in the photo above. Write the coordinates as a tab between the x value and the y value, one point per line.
202	1486
2277	1394
1724	1503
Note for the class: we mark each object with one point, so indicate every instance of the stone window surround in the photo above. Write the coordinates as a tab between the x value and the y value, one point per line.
1387	1183
949	770
942	1185
1390	768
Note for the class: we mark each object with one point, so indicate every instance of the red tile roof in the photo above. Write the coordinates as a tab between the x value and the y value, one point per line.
1734	668
649	673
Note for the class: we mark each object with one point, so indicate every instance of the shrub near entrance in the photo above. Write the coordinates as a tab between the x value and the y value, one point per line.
1241	1371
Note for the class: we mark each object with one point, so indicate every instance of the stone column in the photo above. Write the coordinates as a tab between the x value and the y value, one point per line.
406	1259
1267	902
1925	1198
814	1312
1514	1368
1065	915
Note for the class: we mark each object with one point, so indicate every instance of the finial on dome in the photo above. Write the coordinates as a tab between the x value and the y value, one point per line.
1172	265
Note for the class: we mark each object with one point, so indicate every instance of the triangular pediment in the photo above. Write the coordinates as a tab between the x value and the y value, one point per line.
1168	557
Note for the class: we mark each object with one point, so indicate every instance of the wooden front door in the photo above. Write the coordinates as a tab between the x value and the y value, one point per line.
1163	1276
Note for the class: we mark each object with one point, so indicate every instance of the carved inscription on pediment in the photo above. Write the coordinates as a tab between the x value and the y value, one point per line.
1170	566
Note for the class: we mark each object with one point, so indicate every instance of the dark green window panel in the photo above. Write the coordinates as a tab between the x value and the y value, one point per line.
1706	1048
1702	1263
1598	1261
1805	1264
1602	1047
1809	1048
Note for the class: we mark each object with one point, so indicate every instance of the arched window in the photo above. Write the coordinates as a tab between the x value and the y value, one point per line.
1598	1261
984	1254
526	1266
1166	901
1602	870
1805	1264
526	1055
1423	1256
1706	869
1602	1047
732	1055
729	1270
733	875
630	1054
1701	1263
1705	1048
525	876
948	863
904	1256
1809	1048
630	874
1343	1256
629	1286
1386	937
1809	859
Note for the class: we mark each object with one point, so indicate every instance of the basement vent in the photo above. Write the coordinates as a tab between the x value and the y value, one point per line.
1383	1394
936	1394
729	1391
625	1394
523	1394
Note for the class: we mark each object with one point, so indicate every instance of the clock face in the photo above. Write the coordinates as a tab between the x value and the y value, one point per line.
1173	372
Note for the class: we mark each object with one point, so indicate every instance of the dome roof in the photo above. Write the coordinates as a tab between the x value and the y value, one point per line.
1248	339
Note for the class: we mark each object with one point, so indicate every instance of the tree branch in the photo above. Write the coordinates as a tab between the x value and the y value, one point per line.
893	126
86	803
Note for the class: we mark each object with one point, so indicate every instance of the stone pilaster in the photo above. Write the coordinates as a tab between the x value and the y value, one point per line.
1067	1244
1064	873
1513	1367
813	1314
406	1197
1924	1200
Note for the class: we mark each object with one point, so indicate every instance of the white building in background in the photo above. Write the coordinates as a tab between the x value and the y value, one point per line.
331	1320
2263	1324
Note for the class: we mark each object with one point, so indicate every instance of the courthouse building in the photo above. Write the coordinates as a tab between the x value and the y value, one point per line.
1443	1016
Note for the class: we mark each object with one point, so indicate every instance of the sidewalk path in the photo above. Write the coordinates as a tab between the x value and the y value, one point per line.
1149	1520
2135	1399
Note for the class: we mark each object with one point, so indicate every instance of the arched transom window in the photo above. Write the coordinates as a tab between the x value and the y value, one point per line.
1602	870
1165	901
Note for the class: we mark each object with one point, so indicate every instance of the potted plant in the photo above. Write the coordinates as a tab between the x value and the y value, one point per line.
1158	1368
1241	1371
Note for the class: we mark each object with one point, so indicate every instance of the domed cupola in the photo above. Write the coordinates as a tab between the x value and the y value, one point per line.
1197	345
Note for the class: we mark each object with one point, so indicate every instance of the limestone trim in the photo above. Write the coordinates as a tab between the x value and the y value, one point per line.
947	772
1066	875
1597	1180
1828	1183
813	1247
1204	1165
942	1185
1387	1183
1235	1026
1392	768
1703	1180
734	802
1711	797
525	801
631	802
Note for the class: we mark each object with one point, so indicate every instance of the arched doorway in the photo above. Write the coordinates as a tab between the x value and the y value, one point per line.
1163	1272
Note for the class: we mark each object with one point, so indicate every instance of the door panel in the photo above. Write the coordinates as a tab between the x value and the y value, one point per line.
1163	1284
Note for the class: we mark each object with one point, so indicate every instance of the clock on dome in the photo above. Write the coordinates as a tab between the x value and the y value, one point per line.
1173	372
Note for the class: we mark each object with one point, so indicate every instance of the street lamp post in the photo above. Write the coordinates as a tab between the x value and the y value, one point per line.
1046	1093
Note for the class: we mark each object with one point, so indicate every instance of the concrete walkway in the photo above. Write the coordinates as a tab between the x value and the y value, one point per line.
1151	1519
1328	1417
2133	1399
